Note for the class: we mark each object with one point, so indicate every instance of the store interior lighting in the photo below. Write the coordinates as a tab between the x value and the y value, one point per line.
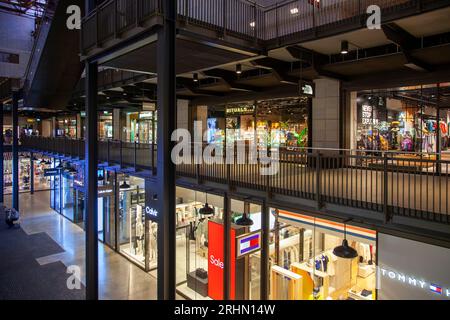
345	251
238	69
344	47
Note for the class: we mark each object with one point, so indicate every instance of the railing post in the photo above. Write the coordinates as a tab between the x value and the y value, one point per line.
319	181
136	10
224	22
255	30
107	152
115	19
121	154
385	188
135	156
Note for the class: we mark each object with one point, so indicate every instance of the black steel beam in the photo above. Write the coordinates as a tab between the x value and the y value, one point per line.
230	78
166	107
31	173
407	43
90	182
1	154
191	87
15	150
226	247
279	69
264	286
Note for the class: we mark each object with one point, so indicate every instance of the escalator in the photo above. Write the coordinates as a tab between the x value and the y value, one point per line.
54	68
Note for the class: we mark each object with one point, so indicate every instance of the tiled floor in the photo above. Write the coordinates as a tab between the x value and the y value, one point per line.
119	279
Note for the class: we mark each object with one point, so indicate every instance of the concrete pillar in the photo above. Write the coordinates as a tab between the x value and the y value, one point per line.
325	114
117	128
183	114
53	127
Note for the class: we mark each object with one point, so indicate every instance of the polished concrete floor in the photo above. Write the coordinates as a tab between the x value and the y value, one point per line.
119	279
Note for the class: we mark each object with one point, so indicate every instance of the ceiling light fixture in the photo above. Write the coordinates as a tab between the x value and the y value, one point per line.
294	11
345	251
206	211
195	77
344	47
239	69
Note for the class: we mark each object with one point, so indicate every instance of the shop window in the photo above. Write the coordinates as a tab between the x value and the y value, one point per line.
132	223
304	267
199	256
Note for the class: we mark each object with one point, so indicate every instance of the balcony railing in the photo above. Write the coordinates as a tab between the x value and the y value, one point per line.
241	18
391	183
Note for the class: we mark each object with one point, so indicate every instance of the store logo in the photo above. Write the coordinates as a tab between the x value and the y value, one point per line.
414	282
151	212
233	151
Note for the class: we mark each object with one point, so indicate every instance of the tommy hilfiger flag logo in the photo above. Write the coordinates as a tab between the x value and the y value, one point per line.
250	243
436	289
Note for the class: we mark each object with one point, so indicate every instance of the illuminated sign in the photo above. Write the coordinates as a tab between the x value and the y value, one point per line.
240	110
151	212
248	244
367	114
415	282
51	172
216	261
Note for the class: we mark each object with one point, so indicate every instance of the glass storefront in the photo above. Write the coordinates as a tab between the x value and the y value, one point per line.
405	120
105	125
307	265
132	223
66	127
193	241
200	247
105	206
141	127
277	122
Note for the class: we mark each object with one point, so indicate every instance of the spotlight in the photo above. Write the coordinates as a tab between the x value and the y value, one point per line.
239	69
195	78
294	11
344	47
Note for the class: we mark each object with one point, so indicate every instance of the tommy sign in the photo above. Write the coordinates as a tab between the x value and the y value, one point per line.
414	282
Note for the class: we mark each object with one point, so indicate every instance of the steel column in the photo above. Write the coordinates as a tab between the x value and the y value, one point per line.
265	210
15	150
166	106
31	173
90	182
226	246
1	155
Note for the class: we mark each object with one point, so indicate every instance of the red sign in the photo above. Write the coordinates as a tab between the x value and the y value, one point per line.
216	263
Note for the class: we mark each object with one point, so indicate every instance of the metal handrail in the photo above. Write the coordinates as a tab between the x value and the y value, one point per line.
249	20
405	186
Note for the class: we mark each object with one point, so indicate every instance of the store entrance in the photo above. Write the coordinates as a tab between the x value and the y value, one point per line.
137	234
106	233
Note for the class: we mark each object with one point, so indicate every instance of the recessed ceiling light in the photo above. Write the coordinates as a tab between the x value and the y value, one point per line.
294	10
195	78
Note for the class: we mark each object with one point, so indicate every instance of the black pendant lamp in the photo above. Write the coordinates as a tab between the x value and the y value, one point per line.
206	211
125	185
345	251
245	220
